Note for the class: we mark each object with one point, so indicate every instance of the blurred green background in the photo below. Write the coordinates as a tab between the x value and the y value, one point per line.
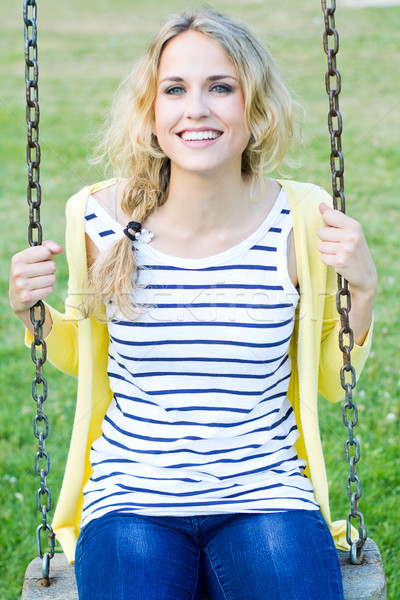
84	50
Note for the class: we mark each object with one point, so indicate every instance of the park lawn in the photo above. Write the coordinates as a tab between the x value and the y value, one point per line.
84	50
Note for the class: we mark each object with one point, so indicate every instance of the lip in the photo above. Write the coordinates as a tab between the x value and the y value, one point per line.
198	144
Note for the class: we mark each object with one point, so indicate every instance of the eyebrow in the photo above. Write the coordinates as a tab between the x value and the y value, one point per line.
211	78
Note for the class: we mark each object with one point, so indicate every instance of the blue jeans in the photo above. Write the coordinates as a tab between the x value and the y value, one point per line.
274	556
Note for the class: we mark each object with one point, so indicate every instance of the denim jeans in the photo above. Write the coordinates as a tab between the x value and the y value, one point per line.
275	556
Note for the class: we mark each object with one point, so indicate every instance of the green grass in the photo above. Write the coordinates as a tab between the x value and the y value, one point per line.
84	49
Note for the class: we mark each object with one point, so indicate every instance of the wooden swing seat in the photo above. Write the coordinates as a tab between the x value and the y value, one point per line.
360	582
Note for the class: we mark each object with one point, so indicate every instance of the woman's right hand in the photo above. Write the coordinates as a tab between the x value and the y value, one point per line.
32	276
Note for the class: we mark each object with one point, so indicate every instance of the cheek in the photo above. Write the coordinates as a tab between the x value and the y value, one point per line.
244	117
164	119
155	118
160	115
236	111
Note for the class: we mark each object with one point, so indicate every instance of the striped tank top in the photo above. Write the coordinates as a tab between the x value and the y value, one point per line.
200	422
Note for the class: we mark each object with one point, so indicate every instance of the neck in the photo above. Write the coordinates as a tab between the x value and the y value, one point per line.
198	201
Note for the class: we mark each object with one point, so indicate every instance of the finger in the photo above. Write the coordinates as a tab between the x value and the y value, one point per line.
38	283
40	253
328	247
30	297
332	234
53	246
335	218
323	207
329	259
24	270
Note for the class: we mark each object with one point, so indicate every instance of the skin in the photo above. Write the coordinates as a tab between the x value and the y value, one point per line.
211	206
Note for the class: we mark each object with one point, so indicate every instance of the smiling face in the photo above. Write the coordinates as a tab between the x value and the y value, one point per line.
200	120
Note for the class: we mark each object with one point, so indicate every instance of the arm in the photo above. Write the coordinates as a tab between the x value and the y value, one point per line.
331	357
32	278
27	286
344	248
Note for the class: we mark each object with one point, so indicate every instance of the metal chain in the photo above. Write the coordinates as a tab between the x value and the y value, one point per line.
38	347
343	298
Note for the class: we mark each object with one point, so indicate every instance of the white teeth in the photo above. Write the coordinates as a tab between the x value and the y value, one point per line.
191	136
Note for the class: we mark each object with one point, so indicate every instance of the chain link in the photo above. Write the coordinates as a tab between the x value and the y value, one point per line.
343	298
35	237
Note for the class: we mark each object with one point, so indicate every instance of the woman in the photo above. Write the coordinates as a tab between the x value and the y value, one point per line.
200	335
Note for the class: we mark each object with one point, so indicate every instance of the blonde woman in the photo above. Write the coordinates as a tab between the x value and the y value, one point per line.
201	324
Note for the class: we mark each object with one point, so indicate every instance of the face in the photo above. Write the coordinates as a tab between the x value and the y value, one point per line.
200	120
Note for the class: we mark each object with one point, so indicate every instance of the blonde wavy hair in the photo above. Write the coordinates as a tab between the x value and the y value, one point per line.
129	145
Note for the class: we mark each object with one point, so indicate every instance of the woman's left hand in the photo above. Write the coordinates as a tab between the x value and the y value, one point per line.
344	247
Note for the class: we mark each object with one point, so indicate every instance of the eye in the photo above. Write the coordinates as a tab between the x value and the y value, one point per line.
175	90
222	88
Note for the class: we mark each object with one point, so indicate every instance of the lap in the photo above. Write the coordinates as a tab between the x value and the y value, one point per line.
122	557
279	556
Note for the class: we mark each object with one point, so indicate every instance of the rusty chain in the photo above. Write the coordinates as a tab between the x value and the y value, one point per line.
343	298
38	346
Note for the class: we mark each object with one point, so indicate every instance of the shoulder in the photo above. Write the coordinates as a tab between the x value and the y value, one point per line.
304	200
304	195
77	202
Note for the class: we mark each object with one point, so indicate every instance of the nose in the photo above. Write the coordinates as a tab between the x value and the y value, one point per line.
197	106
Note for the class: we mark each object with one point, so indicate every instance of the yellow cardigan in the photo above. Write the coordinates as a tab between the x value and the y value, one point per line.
79	347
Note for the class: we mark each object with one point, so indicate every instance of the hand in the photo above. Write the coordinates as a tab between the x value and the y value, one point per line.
343	246
32	276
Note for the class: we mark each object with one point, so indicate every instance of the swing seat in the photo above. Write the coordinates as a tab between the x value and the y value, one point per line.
360	582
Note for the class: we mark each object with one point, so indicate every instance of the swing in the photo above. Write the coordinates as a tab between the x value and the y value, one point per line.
362	570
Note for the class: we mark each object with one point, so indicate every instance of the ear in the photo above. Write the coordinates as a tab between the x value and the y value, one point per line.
154	128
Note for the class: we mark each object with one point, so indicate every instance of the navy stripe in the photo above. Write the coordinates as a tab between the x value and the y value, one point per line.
202	324
186	437
90	217
275	230
192	493
148	438
134	399
210	503
217	305
191	451
264	488
193	374
204	391
220	268
203	359
265	248
207	342
259	470
285	211
186	423
289	412
213	286
222	408
114	494
150	491
133	489
196	373
106	233
232	461
202	408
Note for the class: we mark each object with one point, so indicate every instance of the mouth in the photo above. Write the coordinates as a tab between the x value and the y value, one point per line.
199	136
